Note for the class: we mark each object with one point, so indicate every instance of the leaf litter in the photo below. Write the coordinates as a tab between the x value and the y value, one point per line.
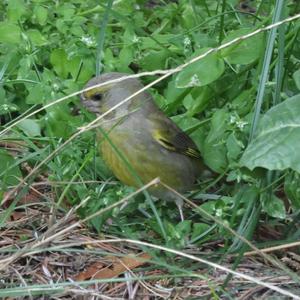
125	270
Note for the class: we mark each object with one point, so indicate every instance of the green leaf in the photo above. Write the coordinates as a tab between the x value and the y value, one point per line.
296	77
199	229
218	125
36	95
30	127
41	14
15	10
9	171
10	33
214	150
202	72
66	10
188	17
234	147
59	121
154	60
174	96
185	122
125	58
184	228
58	59
242	103
274	207
276	145
292	188
243	52
86	69
36	37
196	101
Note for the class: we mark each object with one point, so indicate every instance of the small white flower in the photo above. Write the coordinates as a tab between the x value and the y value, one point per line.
55	86
241	124
195	81
88	40
186	42
135	39
5	107
232	119
219	212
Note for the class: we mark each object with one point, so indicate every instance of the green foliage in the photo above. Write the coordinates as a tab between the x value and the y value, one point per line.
276	145
48	50
30	127
244	52
197	75
10	172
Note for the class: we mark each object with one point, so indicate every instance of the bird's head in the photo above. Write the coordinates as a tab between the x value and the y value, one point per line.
100	99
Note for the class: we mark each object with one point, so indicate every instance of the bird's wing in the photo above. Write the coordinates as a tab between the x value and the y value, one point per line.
171	137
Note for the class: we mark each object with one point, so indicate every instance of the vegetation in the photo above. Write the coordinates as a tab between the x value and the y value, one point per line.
239	103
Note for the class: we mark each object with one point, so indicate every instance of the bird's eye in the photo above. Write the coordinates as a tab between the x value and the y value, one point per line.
97	97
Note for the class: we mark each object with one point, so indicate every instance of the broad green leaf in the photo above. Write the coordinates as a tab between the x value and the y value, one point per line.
9	171
296	77
214	150
83	68
25	69
154	60
199	229
62	26
185	122
58	59
76	30
30	127
59	121
66	10
41	14
36	95
214	155
10	33
188	102
74	66
242	103
174	96
188	17
202	72
243	52
276	145
36	37
16	9
125	58
234	147
184	228
274	207
154	42
218	125
196	101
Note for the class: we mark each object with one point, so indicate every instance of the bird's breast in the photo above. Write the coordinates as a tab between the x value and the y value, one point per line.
137	158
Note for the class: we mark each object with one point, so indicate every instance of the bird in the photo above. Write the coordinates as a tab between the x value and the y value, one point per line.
139	140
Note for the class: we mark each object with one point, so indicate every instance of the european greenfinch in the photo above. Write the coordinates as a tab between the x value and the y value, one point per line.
153	145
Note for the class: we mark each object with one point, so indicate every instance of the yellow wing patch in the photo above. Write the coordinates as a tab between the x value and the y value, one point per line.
178	142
